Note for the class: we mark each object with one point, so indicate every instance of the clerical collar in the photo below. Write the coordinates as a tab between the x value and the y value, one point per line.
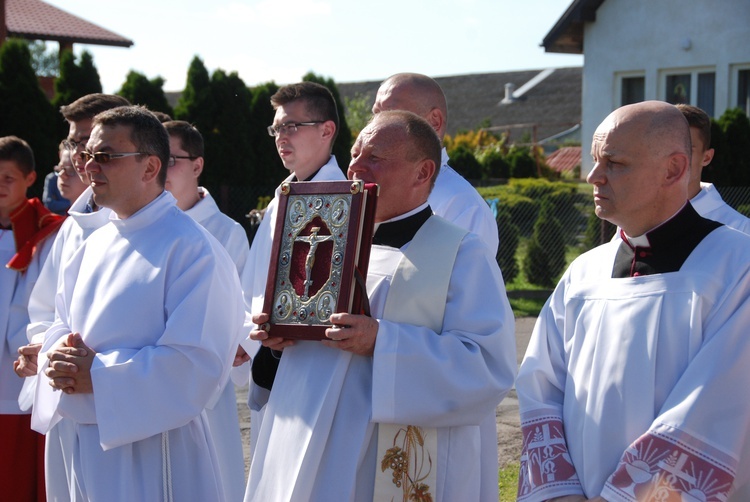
309	178
399	230
665	248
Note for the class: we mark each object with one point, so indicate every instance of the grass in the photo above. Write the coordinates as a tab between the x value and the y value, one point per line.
526	307
508	482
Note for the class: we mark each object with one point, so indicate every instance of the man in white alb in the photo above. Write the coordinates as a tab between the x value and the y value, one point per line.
453	197
148	316
304	128
703	196
420	375
631	388
84	216
185	166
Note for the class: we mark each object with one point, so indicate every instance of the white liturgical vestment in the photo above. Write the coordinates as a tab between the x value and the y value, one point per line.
222	418
709	204
254	279
457	201
634	388
318	440
158	299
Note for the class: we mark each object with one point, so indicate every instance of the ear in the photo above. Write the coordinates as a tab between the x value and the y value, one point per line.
425	171
30	179
153	166
198	167
708	156
436	119
329	129
677	168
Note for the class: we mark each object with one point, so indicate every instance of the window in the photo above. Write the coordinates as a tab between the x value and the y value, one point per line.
633	90
692	87
743	90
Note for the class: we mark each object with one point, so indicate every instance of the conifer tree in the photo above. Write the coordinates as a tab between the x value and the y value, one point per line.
545	259
139	90
509	239
25	110
343	145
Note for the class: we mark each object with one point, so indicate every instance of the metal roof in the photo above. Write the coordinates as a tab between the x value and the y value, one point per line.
36	20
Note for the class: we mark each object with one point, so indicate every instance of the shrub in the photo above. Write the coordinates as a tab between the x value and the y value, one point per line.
545	259
509	239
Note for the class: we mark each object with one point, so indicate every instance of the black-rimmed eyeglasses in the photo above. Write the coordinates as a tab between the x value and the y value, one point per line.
173	159
289	127
105	157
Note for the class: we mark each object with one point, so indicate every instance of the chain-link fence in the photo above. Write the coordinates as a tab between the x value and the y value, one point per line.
526	243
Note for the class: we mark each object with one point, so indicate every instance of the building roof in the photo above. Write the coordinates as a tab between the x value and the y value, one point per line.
564	159
567	34
543	104
36	20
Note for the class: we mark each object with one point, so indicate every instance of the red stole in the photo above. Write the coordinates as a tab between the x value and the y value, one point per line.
31	223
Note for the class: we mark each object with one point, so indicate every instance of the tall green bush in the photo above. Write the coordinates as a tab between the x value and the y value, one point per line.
509	240
545	259
77	79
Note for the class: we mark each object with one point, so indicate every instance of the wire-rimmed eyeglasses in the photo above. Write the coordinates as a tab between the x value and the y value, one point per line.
105	157
289	127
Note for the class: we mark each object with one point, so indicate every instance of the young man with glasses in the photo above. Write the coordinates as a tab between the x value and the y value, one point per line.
150	314
184	168
69	184
304	128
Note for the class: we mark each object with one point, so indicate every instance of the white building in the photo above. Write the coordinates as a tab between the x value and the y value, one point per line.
695	52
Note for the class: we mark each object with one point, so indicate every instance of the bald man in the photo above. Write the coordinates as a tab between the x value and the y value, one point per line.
453	197
630	388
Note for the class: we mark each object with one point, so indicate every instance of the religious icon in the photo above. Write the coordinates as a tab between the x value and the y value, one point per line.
322	242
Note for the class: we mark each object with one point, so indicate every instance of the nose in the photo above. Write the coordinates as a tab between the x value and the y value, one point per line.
595	176
92	166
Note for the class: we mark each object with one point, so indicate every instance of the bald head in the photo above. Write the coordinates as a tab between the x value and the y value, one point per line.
660	126
415	93
641	168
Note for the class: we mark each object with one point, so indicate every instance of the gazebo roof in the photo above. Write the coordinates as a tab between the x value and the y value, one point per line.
36	20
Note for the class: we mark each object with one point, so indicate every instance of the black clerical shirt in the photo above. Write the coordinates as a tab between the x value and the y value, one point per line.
670	245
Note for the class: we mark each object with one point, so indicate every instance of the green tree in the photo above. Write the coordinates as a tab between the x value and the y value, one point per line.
76	79
24	108
545	258
522	164
196	104
494	164
462	159
736	128
139	90
509	239
269	169
343	145
230	156
358	113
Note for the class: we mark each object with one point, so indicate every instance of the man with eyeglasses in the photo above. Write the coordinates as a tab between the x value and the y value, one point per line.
149	315
84	216
304	128
185	166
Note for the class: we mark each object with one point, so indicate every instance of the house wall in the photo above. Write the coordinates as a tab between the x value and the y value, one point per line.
650	36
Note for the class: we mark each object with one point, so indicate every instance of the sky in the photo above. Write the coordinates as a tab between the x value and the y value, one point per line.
347	40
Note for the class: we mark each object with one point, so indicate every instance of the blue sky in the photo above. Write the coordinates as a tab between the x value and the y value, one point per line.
347	40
